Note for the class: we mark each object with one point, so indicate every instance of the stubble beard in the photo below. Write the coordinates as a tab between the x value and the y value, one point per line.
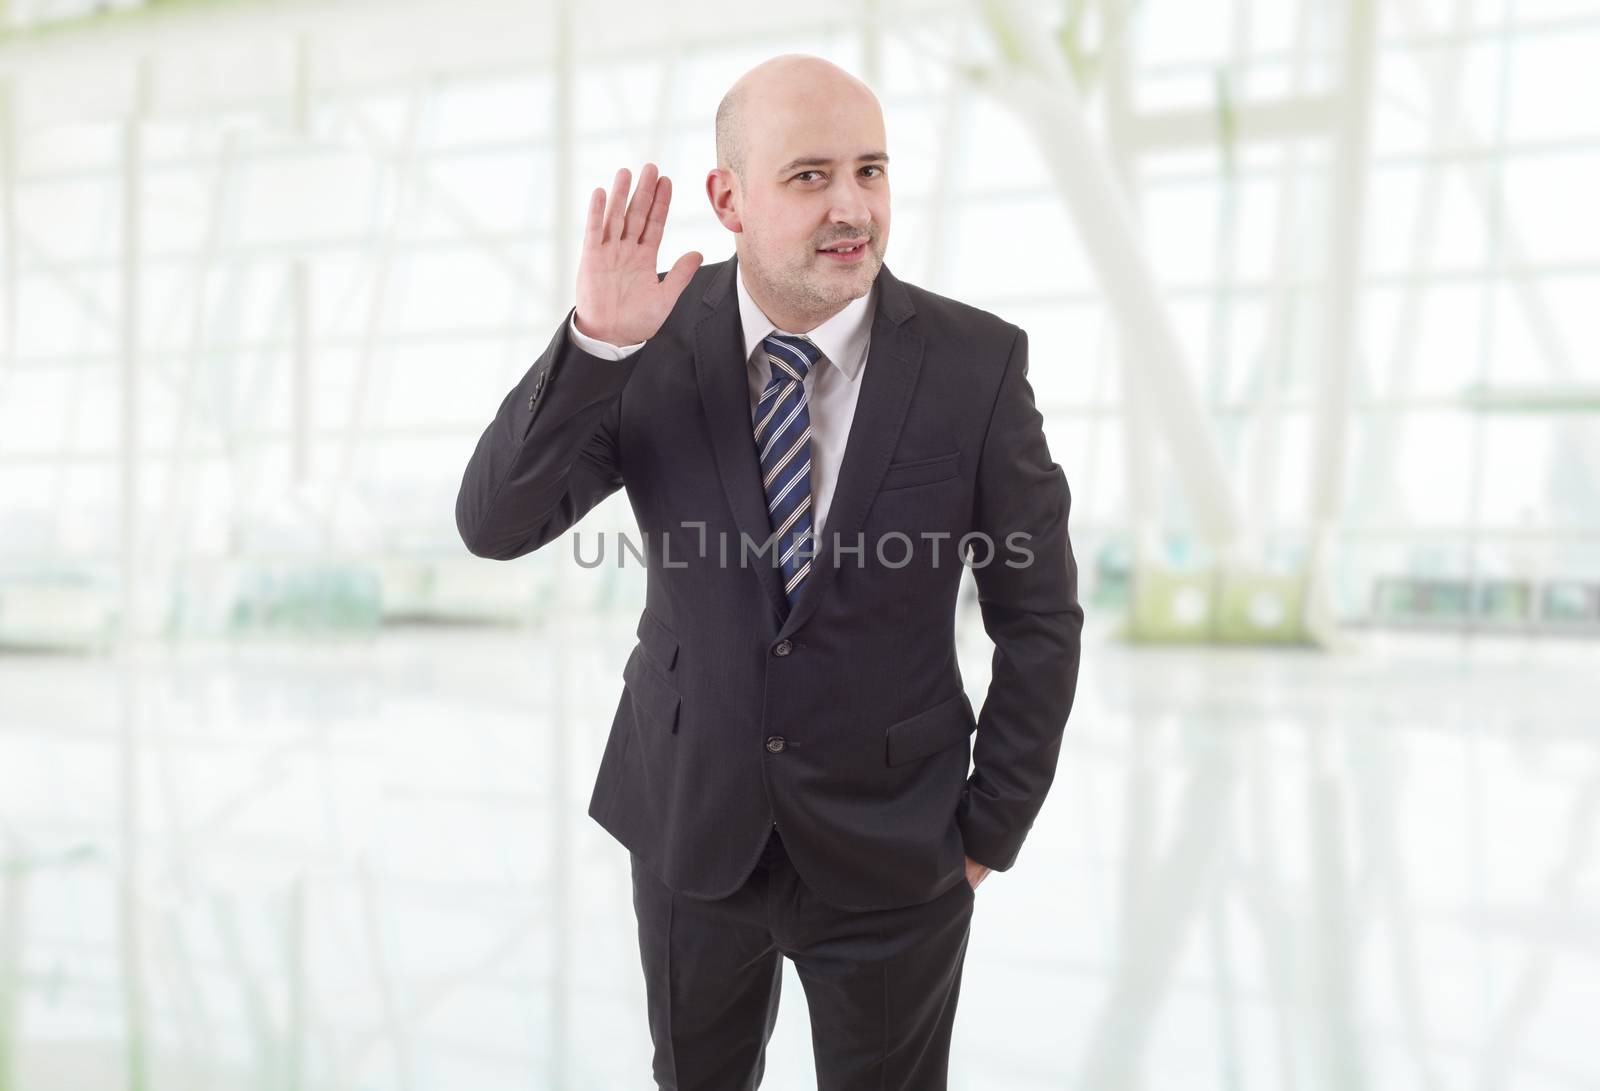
806	289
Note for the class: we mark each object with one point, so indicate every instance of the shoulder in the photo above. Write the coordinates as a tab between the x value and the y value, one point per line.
970	331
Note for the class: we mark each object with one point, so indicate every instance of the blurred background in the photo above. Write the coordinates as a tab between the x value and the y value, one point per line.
293	788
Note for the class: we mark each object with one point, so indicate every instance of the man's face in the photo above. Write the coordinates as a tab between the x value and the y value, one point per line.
816	176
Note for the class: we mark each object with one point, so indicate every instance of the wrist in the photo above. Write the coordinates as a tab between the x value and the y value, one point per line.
610	337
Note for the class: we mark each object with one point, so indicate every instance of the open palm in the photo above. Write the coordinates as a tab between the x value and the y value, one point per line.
620	298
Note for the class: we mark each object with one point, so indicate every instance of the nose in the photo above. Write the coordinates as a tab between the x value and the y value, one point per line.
850	207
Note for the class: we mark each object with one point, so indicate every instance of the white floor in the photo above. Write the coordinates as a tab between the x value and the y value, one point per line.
369	866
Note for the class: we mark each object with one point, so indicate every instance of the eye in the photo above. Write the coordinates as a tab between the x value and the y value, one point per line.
803	173
876	168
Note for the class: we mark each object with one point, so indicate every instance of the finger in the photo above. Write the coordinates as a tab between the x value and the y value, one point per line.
657	222
644	194
614	207
597	211
677	278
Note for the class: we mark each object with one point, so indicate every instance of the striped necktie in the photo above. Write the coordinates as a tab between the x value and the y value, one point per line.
783	439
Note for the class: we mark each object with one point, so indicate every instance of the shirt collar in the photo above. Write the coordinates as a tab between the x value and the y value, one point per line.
842	338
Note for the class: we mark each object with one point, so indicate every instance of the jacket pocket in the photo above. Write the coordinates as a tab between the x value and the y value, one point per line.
921	471
659	643
929	731
655	701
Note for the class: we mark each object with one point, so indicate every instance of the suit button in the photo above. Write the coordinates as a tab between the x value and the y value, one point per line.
782	647
775	744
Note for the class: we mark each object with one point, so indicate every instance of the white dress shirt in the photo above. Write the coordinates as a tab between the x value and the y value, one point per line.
831	390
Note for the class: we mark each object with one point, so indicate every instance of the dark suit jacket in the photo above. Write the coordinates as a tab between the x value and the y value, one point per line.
844	720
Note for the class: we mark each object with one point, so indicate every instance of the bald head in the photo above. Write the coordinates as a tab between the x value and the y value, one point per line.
788	79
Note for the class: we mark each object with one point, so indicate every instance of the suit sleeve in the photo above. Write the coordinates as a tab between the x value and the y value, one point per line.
596	347
549	455
1028	596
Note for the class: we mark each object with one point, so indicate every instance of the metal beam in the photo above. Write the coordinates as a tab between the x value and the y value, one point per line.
1341	308
130	910
1044	94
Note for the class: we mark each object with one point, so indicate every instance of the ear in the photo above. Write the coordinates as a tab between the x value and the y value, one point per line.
722	192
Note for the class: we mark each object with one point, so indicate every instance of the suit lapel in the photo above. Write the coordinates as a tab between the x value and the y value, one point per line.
719	368
894	356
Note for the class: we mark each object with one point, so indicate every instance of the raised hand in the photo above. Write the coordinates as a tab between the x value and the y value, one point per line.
620	299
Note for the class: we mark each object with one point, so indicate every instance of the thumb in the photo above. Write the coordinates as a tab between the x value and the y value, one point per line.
677	278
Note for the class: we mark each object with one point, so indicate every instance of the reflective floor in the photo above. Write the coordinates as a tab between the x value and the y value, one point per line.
369	866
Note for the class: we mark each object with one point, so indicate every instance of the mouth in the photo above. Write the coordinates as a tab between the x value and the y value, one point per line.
847	252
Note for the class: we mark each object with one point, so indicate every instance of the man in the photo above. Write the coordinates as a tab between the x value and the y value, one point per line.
812	449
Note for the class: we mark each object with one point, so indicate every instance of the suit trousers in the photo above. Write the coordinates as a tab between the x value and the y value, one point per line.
881	985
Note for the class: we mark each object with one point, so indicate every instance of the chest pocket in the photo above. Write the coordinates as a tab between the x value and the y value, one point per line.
921	471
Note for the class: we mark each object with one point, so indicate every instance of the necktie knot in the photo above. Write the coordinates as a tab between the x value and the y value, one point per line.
791	356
